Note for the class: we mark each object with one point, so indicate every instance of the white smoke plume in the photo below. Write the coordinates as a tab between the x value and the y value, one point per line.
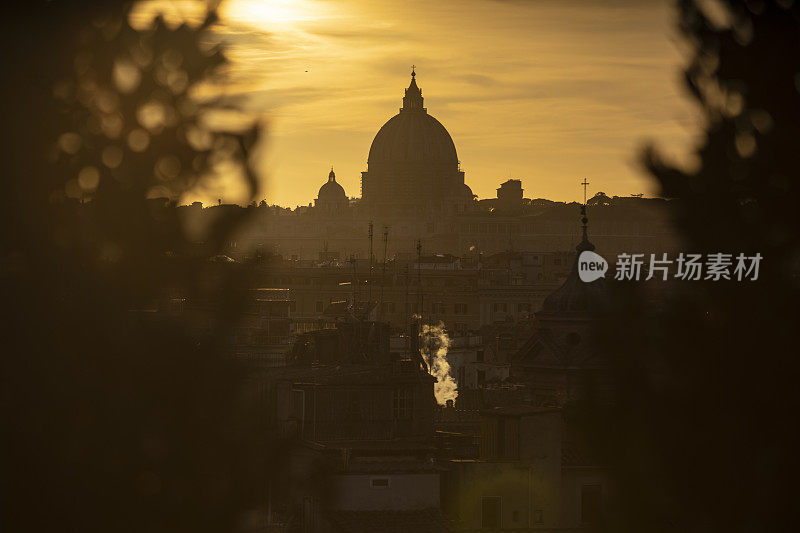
434	344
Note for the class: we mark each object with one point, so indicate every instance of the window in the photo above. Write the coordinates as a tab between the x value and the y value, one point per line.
379	482
499	307
490	512
402	404
538	516
591	504
461	309
523	308
320	306
388	307
479	356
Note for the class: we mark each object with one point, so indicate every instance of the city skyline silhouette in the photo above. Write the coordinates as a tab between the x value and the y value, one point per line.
546	92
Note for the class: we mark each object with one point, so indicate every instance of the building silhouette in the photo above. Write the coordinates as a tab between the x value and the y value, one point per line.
560	359
331	198
413	166
414	188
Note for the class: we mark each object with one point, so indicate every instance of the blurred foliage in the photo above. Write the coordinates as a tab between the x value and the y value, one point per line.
115	420
703	436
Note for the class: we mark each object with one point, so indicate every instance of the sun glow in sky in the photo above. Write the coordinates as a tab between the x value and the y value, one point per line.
275	12
548	91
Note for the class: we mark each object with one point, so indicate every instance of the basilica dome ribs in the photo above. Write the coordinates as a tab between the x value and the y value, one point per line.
413	161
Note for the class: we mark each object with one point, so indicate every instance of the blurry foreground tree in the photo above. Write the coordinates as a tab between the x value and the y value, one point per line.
113	421
704	434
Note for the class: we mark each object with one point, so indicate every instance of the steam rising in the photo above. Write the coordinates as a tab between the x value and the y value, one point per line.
434	345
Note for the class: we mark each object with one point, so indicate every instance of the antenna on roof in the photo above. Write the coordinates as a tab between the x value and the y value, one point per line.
421	359
383	272
355	283
406	308
419	277
371	259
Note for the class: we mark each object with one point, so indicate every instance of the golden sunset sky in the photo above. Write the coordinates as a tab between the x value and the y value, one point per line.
548	91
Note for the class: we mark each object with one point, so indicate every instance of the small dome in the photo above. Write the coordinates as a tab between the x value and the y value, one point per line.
331	190
331	193
576	297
